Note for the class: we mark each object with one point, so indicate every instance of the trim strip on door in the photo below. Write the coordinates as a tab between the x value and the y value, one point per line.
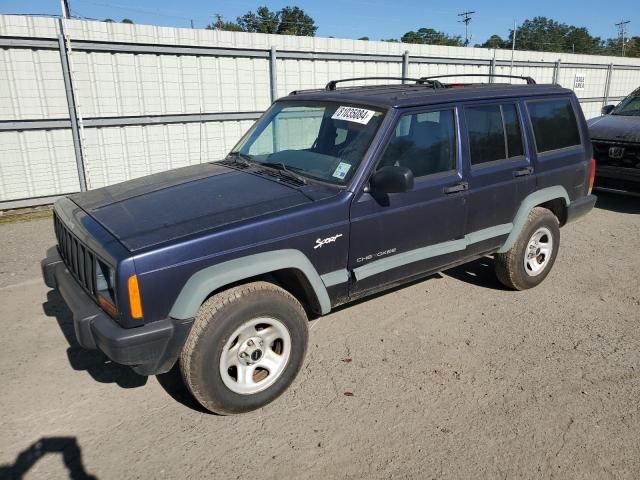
405	258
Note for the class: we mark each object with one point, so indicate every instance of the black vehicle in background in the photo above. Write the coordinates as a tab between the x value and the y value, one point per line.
616	145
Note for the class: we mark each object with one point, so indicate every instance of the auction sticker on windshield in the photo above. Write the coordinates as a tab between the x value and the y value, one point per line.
341	170
353	114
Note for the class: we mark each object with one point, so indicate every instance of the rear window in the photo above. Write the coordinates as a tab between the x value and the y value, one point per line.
554	124
494	133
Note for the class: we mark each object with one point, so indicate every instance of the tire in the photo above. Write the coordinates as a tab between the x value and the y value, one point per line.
245	348
531	258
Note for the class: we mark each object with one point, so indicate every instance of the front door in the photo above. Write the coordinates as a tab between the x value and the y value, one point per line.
399	235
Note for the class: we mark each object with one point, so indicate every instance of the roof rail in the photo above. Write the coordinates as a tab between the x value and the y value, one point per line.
419	81
529	80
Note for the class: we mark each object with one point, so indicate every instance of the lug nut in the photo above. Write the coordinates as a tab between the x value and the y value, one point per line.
250	343
243	354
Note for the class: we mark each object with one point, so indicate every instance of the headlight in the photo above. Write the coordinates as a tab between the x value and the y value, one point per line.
105	288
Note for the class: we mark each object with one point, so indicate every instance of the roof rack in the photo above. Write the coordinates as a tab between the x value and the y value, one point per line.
419	81
529	80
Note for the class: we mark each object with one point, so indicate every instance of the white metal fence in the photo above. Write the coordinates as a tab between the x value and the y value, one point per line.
85	104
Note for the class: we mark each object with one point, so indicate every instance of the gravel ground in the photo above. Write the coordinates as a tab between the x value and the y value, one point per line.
451	377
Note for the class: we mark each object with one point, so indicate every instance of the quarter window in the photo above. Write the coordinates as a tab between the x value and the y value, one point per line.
425	143
554	124
494	133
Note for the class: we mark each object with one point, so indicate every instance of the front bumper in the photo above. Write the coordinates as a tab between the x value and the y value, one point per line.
618	179
150	349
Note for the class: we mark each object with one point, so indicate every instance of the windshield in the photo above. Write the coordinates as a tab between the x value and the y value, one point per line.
628	106
321	140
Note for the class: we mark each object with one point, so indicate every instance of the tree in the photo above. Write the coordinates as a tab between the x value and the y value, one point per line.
287	21
220	24
547	35
363	38
293	21
262	21
429	36
613	46
578	40
126	20
494	41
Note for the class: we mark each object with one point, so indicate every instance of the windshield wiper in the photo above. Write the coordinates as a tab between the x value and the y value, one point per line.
285	170
242	158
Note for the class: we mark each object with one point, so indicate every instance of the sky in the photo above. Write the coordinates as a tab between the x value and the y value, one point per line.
377	19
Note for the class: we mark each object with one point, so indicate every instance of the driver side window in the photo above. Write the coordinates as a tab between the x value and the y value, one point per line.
423	142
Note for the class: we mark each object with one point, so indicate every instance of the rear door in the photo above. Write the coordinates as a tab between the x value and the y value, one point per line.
562	153
499	171
398	235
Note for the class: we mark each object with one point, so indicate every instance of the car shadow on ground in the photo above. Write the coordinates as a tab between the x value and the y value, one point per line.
172	383
94	362
480	272
66	446
616	202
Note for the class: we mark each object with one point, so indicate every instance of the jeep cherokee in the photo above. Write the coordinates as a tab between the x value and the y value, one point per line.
333	194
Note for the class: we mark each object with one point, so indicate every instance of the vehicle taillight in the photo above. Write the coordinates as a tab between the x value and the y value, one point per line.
592	175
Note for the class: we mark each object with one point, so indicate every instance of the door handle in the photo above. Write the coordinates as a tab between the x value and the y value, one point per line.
458	187
523	172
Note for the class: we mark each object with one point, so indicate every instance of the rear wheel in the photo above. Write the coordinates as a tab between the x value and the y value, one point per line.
246	347
530	259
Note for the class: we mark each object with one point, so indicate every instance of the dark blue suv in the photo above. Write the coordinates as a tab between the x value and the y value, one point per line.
334	194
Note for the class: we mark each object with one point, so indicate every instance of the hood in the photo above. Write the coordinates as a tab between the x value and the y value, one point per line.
615	128
163	207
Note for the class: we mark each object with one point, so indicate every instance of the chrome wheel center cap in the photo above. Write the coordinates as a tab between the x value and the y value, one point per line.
251	351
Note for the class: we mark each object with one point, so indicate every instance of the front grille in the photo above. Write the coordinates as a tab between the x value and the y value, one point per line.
79	260
630	157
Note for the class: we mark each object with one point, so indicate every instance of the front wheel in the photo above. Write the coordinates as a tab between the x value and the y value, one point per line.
530	259
245	348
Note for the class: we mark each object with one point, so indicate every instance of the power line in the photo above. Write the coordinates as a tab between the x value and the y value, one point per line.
621	31
466	19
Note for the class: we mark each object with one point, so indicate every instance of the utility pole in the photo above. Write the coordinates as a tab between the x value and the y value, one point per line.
621	31
513	45
66	10
218	21
466	19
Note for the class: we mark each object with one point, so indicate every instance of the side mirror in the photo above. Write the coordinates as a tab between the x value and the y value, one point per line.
392	180
606	110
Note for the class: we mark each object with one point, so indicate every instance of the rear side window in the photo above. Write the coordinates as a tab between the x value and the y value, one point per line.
494	133
554	124
425	143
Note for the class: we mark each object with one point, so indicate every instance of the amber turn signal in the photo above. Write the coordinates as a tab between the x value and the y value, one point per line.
135	304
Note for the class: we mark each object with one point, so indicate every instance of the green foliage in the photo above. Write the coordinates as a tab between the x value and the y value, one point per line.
546	35
127	20
287	21
293	21
262	21
495	41
363	38
219	24
430	36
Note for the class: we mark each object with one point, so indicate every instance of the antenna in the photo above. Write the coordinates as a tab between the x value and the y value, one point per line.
466	19
621	31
